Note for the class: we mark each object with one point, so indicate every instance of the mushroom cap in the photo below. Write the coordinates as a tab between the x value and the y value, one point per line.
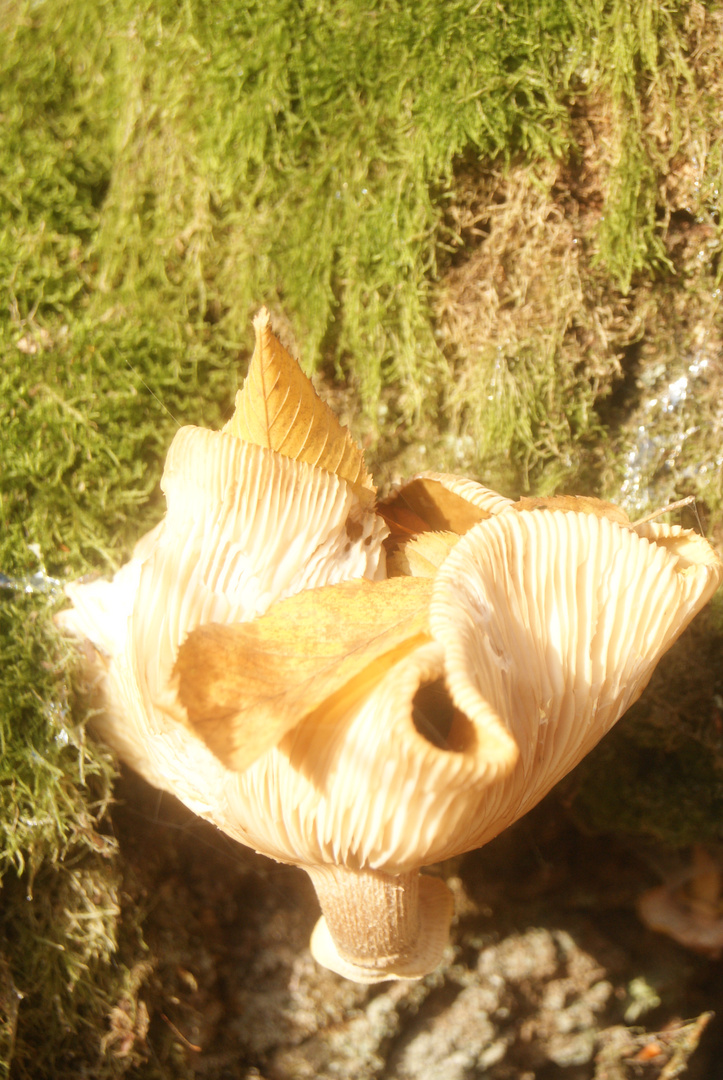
688	906
247	526
668	912
546	626
363	787
556	620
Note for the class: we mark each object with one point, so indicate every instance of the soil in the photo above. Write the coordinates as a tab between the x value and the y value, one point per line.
549	974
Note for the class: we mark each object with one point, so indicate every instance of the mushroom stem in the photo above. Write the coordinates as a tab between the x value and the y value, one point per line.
378	926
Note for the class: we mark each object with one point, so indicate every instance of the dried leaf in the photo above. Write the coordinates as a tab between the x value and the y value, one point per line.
422	556
426	505
278	408
577	504
245	686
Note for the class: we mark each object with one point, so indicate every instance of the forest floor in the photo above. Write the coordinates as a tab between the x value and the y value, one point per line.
550	973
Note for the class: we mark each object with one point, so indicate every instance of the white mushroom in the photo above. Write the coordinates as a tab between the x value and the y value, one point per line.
413	718
237	536
545	627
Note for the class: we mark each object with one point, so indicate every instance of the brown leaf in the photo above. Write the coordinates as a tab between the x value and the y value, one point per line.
426	505
245	686
422	556
579	504
278	408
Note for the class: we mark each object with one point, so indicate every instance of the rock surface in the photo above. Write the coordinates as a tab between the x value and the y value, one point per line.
549	973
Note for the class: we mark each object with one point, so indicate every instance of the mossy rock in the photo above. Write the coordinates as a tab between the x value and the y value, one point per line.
492	232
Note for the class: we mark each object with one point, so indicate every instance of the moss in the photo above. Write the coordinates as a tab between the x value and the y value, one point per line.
260	154
674	795
638	54
663	765
562	368
533	355
87	414
48	771
59	941
309	177
61	910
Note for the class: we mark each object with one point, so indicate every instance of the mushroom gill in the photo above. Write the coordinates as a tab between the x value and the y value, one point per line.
557	620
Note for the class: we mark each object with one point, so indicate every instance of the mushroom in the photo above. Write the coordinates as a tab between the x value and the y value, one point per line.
255	659
689	906
245	526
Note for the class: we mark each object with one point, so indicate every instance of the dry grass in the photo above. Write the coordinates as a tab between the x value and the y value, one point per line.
528	319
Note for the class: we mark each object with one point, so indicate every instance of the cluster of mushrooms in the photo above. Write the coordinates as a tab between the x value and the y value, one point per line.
362	687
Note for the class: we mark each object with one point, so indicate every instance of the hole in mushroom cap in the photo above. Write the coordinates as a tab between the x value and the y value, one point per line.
438	720
353	529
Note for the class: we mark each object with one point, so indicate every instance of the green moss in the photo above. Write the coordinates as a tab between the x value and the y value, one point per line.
633	196
292	152
73	971
45	761
638	52
302	153
88	412
60	910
